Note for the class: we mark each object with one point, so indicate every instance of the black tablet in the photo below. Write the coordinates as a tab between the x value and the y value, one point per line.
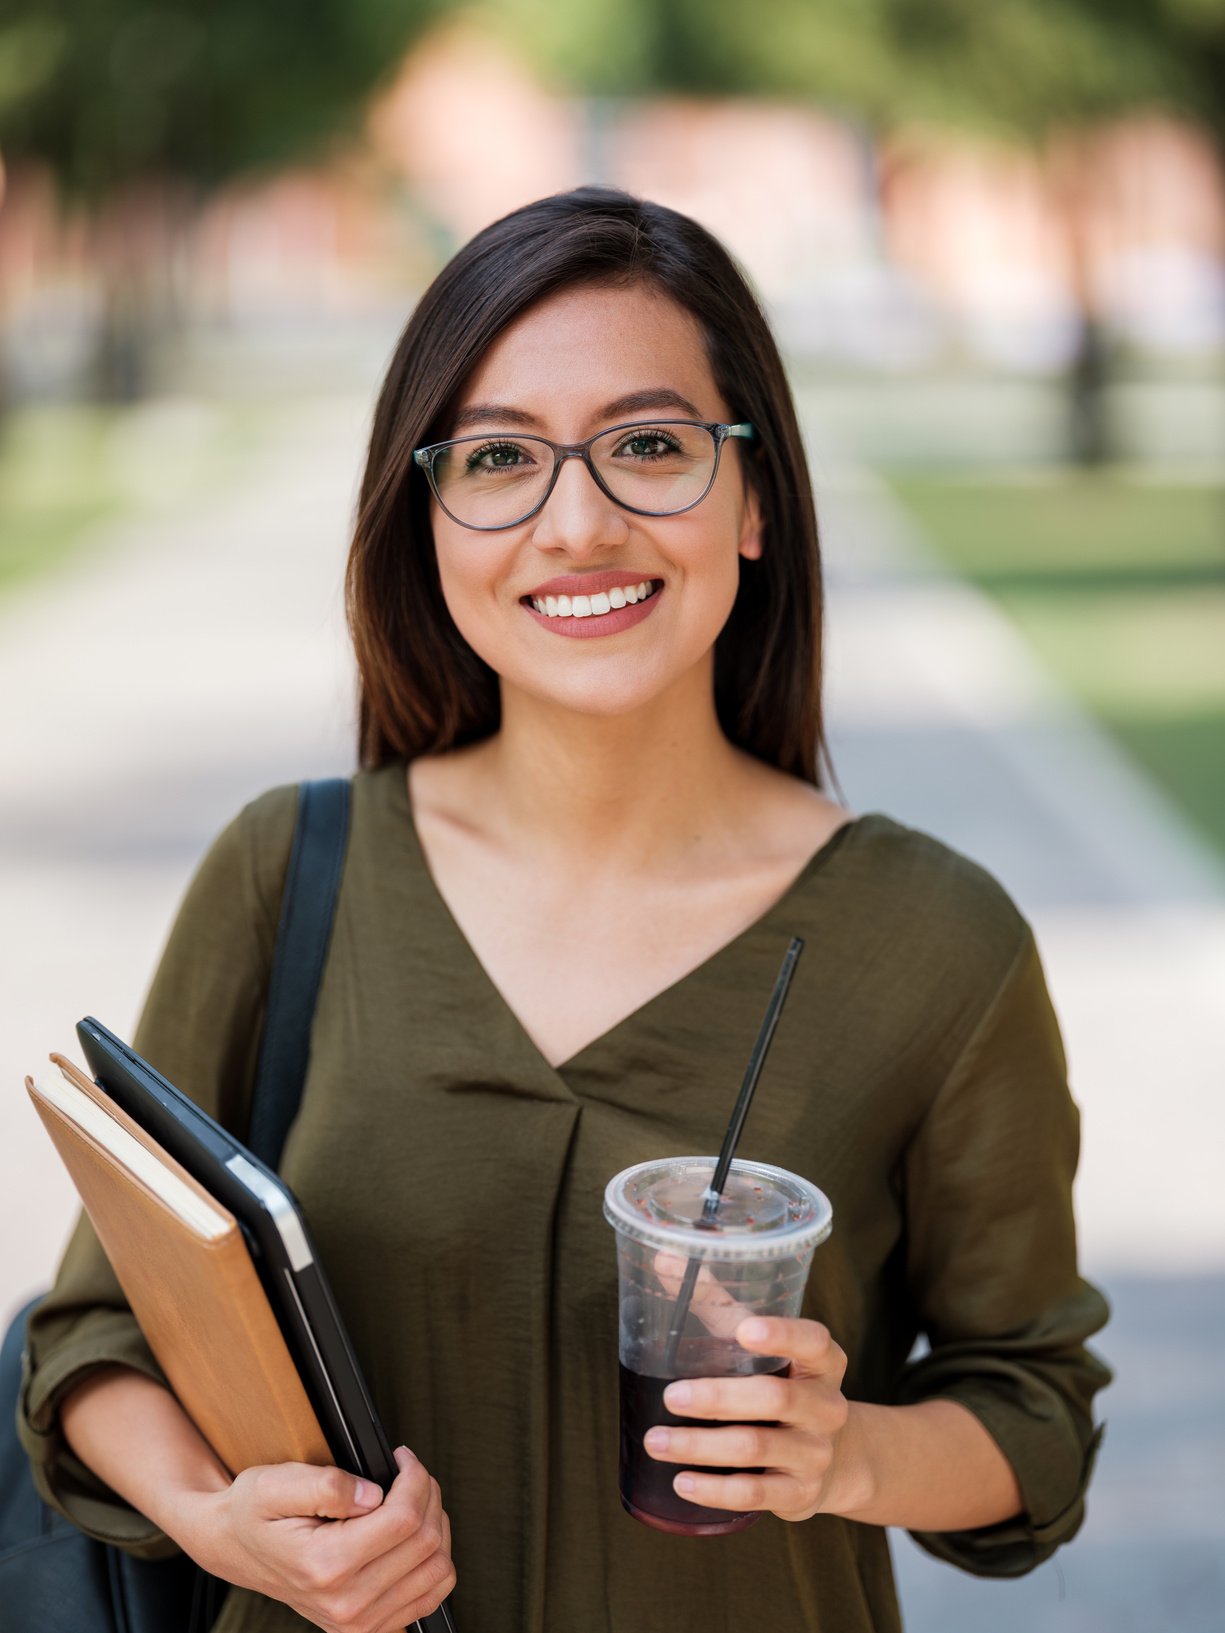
277	1236
281	1248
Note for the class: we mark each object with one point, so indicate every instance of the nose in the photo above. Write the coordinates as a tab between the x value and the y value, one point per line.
578	517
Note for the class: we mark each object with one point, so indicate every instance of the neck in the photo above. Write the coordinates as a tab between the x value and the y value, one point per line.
641	789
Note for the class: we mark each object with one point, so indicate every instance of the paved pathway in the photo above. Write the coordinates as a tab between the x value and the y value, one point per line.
196	660
940	716
189	663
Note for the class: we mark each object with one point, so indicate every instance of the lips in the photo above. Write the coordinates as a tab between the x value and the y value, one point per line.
595	615
608	578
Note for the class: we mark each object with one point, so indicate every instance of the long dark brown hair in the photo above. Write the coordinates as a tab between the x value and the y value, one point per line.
423	689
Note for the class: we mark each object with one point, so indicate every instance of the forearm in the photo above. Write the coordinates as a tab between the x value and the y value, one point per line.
927	1467
135	1436
270	1528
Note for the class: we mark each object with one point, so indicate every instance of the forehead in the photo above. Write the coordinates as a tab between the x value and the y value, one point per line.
576	350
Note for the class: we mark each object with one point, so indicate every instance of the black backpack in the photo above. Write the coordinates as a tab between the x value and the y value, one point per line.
53	1578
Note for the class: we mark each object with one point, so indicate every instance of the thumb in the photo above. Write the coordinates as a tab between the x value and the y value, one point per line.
806	1345
331	1494
405	1459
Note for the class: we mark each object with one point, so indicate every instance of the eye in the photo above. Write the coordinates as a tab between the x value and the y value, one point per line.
497	456
648	443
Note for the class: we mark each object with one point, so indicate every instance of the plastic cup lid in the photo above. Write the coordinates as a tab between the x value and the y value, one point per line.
765	1213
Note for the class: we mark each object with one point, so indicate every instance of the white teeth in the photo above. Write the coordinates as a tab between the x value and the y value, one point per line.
592	606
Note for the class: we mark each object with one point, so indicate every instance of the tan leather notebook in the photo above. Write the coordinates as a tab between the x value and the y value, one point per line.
183	1263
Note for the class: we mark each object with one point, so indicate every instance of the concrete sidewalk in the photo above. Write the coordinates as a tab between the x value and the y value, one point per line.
185	665
940	716
192	663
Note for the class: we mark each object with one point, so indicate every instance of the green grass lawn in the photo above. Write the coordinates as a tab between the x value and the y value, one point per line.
1119	585
68	469
55	485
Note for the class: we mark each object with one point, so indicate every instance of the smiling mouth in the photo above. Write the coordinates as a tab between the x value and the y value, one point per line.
594	606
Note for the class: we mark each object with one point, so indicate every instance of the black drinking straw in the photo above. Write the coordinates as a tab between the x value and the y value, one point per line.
714	1191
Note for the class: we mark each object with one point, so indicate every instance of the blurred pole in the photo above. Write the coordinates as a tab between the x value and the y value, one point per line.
871	185
1089	434
598	122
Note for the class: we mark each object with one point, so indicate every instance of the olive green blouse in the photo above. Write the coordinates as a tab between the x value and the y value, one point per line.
453	1183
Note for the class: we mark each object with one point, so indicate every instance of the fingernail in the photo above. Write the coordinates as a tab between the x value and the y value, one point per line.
755	1330
403	1457
684	1482
678	1395
658	1440
367	1495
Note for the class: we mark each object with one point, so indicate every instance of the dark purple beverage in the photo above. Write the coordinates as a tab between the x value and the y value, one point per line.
646	1486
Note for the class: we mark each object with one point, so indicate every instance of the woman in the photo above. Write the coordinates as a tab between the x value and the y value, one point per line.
585	597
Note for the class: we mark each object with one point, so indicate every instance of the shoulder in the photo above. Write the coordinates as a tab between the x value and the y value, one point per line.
251	853
934	908
923	946
248	859
907	860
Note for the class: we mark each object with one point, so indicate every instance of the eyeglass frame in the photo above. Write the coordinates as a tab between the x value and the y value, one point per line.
562	451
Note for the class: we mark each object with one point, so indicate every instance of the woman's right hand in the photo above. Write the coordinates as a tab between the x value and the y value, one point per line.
329	1545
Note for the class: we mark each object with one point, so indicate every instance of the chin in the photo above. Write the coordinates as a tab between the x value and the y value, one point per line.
604	702
605	692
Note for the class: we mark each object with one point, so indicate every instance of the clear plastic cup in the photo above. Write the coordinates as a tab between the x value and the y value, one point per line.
752	1260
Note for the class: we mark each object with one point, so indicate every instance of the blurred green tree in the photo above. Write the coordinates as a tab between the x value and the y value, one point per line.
138	106
1038	72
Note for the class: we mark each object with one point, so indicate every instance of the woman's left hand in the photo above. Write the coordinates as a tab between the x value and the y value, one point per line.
792	1427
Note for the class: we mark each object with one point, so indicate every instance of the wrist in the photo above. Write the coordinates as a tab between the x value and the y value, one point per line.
852	1483
192	1515
928	1466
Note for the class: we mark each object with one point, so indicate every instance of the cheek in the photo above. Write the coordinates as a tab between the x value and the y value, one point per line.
702	561
468	572
711	578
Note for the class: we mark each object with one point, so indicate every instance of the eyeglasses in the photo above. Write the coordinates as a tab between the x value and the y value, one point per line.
656	468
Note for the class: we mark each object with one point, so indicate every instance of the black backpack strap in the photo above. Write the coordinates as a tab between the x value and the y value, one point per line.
307	908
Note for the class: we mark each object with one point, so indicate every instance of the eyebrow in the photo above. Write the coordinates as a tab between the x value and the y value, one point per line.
632	403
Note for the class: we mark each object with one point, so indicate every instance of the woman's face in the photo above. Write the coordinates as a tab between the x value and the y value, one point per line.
564	371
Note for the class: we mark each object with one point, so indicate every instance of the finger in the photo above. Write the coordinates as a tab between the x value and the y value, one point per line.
383	1575
740	1446
711	1303
344	1549
764	1398
770	1493
414	1592
283	1490
401	1514
808	1345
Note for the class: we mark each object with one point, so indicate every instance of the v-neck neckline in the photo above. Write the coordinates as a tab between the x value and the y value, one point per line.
827	849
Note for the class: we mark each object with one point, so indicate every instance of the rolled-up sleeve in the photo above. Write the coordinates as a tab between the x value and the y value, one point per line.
83	1325
200	1027
991	1264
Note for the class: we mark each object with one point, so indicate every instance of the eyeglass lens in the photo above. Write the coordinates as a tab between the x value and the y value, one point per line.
494	481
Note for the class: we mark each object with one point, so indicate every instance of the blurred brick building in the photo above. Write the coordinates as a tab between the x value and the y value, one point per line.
887	255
